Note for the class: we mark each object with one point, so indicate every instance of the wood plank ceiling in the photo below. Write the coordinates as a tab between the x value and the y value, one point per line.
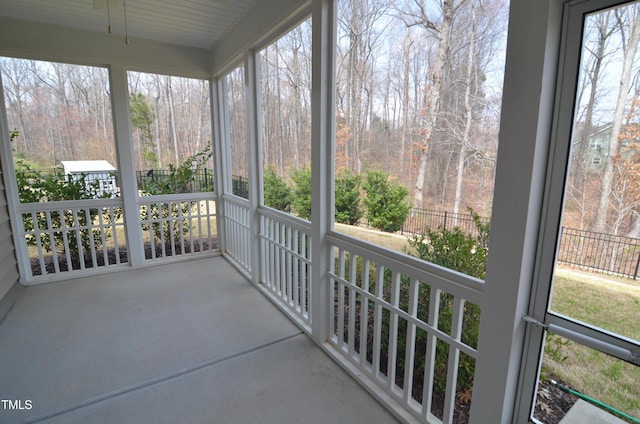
195	23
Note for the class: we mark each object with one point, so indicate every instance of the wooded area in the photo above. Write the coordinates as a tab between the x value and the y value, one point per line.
418	96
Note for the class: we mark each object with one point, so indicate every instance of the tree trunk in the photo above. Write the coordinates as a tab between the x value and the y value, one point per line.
614	144
405	97
581	147
635	227
172	122
434	96
462	153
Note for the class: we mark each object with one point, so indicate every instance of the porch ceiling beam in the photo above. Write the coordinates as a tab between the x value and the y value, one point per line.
41	41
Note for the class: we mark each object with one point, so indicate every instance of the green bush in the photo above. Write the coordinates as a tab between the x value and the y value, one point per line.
301	202
348	210
385	202
277	194
37	186
180	180
142	116
455	249
465	253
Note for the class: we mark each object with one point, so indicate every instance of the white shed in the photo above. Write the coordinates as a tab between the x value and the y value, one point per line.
95	170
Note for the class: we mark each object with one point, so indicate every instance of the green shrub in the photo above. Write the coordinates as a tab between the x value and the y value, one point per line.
385	202
37	186
348	210
455	249
277	194
444	247
465	253
180	180
142	116
301	202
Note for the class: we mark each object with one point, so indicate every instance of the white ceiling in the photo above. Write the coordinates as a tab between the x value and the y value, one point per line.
195	23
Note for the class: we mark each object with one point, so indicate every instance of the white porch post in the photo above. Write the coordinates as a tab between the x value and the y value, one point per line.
252	85
528	97
322	159
126	163
218	123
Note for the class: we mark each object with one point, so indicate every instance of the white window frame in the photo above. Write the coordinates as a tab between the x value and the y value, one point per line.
540	319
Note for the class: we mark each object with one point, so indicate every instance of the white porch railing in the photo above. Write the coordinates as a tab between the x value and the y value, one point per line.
237	231
285	246
405	328
178	224
400	323
88	236
405	325
71	237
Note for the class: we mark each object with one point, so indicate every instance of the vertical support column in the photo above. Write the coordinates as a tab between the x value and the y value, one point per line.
254	141
322	159
530	76
220	141
126	163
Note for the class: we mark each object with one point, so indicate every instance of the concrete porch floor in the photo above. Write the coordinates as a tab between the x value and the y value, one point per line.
189	342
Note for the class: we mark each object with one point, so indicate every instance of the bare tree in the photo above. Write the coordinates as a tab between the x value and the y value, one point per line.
237	125
360	28
468	111
438	26
285	99
15	76
598	31
628	21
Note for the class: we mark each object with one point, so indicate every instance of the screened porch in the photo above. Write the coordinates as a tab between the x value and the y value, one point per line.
202	302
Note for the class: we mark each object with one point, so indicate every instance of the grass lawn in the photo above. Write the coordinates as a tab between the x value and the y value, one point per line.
608	304
389	240
612	304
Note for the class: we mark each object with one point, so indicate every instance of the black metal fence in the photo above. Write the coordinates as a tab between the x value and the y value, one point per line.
421	219
203	180
240	186
601	252
161	180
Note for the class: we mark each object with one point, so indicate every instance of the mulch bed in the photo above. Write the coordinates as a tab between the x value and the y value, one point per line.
552	404
209	244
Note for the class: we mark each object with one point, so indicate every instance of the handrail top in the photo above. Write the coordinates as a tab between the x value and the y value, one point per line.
454	282
69	204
